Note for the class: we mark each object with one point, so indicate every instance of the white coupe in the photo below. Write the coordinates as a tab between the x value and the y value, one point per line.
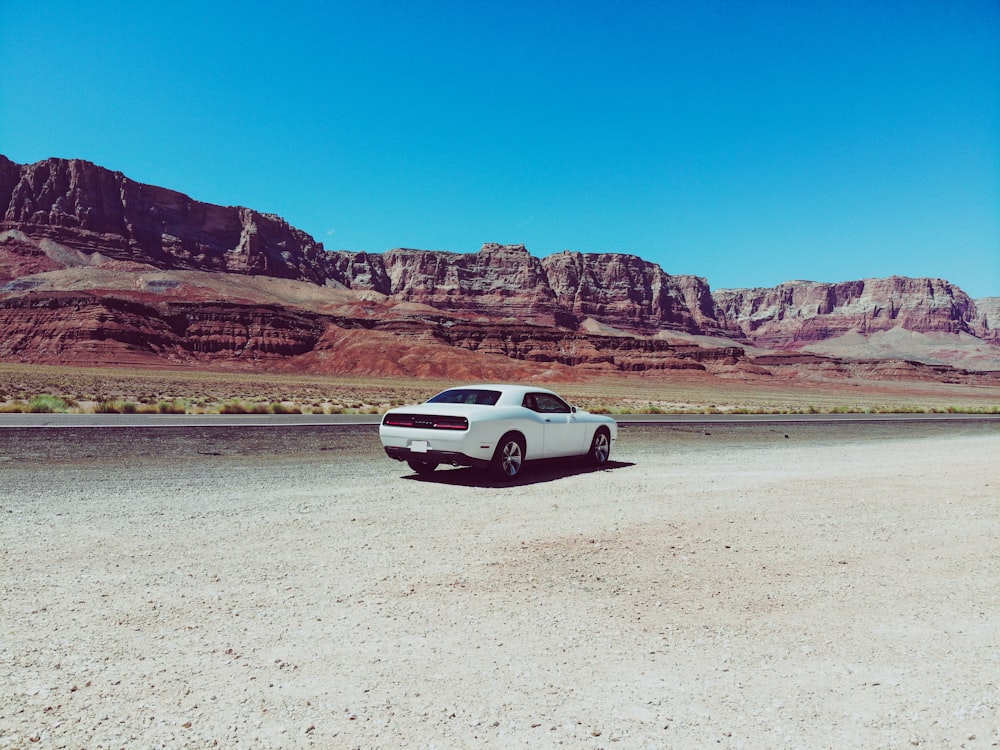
494	426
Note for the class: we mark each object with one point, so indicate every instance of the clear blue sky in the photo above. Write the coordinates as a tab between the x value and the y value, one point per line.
747	142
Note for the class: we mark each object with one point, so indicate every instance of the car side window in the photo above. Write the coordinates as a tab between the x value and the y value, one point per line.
546	403
529	402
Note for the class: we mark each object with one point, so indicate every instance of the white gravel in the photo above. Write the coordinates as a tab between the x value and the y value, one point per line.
289	589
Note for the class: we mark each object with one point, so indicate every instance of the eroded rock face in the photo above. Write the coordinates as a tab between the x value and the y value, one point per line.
20	257
801	312
499	281
96	211
58	214
631	294
78	207
587	351
69	328
987	320
104	330
65	327
86	328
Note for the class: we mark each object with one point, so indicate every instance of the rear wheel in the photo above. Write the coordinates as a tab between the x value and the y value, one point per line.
600	448
509	457
422	467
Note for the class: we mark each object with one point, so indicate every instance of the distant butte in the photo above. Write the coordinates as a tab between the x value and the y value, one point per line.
97	269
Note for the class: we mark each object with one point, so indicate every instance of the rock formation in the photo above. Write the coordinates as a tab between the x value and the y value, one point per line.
499	281
60	327
987	320
596	312
95	211
802	312
80	211
629	293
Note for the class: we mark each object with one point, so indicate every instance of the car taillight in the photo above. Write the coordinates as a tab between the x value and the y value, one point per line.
426	422
457	424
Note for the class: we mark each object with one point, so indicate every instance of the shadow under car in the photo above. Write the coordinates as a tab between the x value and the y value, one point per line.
534	472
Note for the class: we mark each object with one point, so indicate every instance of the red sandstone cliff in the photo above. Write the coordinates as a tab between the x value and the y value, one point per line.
499	281
986	324
631	294
74	212
92	210
803	312
58	215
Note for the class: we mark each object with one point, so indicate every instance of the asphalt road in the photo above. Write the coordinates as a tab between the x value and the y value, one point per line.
57	440
323	420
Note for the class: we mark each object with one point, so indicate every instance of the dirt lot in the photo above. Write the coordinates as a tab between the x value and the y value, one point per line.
734	586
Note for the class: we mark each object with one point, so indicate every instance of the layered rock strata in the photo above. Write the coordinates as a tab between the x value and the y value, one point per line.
101	329
73	211
802	312
59	214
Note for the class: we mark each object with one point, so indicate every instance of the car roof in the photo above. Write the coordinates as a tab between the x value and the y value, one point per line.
509	390
505	387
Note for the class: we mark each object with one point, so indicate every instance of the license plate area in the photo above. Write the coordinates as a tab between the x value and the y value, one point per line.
418	446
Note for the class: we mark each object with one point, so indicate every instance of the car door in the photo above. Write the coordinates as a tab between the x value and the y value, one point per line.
562	435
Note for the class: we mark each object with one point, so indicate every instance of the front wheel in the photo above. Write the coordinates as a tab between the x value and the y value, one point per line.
422	467
509	457
600	448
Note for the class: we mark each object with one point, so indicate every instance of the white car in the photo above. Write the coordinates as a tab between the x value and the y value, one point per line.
494	426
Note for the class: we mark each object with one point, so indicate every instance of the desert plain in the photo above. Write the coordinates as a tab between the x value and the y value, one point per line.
749	585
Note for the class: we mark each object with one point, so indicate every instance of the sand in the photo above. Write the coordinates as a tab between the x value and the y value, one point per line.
786	589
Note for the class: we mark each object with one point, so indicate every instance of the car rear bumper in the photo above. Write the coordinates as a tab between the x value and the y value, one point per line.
436	457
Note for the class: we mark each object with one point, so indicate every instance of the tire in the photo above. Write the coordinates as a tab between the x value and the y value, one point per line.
508	457
600	448
422	467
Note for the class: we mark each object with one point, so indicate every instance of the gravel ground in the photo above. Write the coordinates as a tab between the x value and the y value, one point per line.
750	586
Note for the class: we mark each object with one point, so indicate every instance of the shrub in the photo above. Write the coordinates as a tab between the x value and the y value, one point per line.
171	407
46	404
843	409
116	407
239	407
649	409
234	407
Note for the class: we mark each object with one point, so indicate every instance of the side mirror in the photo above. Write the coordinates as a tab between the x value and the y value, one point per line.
572	409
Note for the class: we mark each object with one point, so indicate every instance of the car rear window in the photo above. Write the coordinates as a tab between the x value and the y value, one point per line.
466	396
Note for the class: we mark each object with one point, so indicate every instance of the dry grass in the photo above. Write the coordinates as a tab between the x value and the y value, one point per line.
706	395
112	390
91	390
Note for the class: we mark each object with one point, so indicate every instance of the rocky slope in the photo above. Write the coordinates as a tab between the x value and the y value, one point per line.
185	318
91	210
627	292
804	311
74	212
987	321
96	267
64	213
